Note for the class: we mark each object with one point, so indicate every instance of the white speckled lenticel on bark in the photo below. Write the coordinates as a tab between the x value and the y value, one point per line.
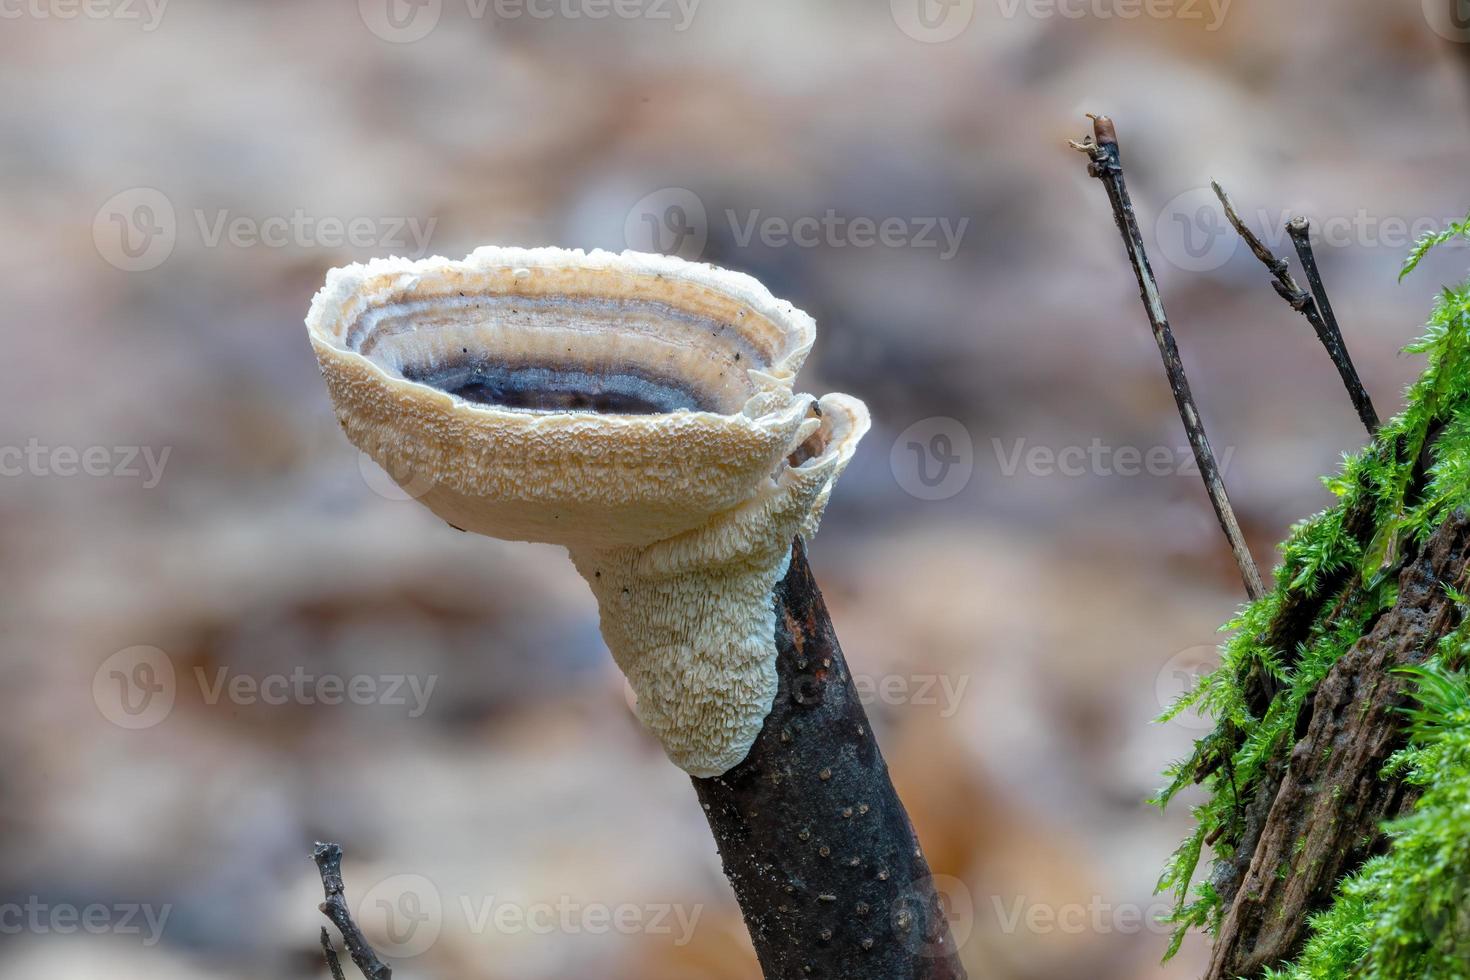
637	409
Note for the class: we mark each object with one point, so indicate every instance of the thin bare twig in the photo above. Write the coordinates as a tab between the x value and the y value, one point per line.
1313	306
1106	165
333	964
1300	231
328	858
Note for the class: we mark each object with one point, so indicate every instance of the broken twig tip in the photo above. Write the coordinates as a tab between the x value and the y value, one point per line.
1314	305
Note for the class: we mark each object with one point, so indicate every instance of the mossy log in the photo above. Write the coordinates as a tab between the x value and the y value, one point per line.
1324	809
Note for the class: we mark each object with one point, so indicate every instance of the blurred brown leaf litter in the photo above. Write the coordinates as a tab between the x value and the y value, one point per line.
1016	636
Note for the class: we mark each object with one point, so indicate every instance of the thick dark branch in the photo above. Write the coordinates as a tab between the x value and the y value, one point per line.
1106	165
815	841
1324	819
819	849
328	858
1314	305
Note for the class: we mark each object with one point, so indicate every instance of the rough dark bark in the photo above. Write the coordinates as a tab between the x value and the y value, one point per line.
1324	819
821	854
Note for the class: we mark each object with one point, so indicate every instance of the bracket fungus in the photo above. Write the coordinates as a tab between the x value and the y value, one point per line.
638	410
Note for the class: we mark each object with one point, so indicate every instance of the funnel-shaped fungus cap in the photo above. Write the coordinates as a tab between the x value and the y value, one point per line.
554	396
637	409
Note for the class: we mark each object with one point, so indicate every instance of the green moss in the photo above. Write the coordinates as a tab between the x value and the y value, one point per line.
1407	503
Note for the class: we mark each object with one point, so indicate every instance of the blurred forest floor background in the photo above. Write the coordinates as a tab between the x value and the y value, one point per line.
225	635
